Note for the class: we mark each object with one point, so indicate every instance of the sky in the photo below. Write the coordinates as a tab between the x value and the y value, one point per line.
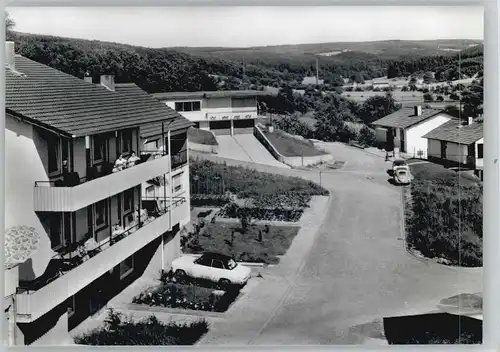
250	26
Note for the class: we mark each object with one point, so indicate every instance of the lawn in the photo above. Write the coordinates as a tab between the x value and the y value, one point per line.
195	135
289	146
244	246
439	174
119	330
443	212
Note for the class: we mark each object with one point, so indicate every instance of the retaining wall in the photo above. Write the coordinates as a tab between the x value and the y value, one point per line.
293	161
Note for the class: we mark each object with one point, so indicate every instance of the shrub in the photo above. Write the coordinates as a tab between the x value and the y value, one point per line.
149	331
367	137
186	296
446	221
209	200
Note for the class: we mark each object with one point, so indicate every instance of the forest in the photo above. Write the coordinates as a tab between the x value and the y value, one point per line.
158	70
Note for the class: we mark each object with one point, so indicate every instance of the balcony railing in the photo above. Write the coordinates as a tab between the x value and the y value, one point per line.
74	255
70	195
179	159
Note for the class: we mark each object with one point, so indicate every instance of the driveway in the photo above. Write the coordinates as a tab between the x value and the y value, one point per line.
356	271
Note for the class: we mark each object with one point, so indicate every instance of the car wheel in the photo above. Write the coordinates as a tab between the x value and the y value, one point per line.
224	283
180	274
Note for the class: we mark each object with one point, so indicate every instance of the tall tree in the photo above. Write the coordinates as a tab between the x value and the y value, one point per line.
376	107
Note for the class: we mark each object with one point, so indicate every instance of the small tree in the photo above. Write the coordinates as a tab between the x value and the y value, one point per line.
428	97
440	98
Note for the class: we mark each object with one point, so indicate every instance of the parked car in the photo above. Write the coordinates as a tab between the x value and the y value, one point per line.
398	163
215	267
402	175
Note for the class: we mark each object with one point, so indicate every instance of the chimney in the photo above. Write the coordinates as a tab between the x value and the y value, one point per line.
418	110
10	56
470	120
108	81
87	78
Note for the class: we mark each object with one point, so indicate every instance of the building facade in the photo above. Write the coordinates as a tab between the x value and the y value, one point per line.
456	144
77	173
403	131
222	112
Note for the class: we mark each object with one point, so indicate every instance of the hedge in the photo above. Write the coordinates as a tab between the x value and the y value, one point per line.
446	221
209	200
232	210
149	331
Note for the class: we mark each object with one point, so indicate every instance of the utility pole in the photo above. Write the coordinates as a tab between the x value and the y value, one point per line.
317	71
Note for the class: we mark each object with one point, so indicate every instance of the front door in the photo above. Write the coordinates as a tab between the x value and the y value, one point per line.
443	150
402	147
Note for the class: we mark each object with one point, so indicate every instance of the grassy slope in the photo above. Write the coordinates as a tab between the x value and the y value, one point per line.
196	135
289	146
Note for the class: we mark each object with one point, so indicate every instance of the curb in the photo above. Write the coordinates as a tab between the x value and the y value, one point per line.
178	311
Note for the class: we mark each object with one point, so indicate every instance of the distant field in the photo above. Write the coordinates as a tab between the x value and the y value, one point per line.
402	97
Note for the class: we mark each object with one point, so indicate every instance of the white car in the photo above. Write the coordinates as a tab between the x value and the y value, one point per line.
214	267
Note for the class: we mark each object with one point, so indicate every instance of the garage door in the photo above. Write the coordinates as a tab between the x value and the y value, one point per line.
243	126
220	127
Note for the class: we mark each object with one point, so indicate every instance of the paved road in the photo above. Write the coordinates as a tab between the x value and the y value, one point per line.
356	271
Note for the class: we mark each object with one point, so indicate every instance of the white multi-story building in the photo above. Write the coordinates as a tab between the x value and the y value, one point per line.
222	112
78	177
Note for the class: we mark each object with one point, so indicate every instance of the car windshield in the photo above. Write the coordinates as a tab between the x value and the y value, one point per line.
231	264
401	172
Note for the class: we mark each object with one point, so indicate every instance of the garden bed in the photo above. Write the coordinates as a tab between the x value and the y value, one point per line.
207	177
119	330
258	244
187	295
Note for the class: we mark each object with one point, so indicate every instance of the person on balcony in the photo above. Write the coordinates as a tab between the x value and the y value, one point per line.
120	164
132	159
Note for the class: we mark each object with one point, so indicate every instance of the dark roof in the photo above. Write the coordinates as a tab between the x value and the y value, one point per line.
70	105
179	122
211	94
454	131
219	256
405	117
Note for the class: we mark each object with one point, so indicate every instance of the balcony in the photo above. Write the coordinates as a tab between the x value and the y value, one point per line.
74	269
71	194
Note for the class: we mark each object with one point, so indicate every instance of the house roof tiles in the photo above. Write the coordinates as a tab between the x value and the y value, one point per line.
405	117
454	131
71	105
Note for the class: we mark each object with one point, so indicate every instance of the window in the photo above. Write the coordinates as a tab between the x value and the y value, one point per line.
480	151
100	148
53	147
126	267
188	106
150	191
177	183
53	225
128	200
217	264
126	141
206	261
71	306
101	214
